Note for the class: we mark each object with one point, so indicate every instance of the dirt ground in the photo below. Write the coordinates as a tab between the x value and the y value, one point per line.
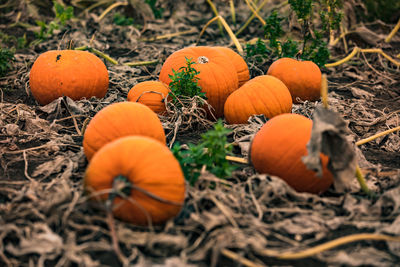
47	220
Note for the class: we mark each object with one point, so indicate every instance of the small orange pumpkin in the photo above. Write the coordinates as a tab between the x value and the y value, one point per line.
218	76
238	62
151	94
261	95
303	78
72	73
278	147
157	183
118	120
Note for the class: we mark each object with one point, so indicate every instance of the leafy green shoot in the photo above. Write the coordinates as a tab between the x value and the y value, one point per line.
122	20
184	83
6	57
158	12
63	14
210	154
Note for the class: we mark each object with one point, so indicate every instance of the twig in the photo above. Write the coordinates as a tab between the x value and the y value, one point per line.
233	12
237	159
368	139
356	50
243	261
141	63
228	30
324	91
251	18
326	246
99	53
393	32
214	9
363	183
108	9
255	13
168	35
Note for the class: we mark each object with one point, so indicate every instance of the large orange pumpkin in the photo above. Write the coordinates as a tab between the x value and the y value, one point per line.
278	147
118	120
72	73
151	94
218	76
261	95
238	62
157	183
303	78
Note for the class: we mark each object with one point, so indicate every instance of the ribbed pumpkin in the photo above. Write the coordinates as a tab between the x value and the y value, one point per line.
72	73
151	94
118	120
277	150
218	77
158	187
303	78
261	95
238	62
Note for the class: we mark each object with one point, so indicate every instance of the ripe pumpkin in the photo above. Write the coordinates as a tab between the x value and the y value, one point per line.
261	95
238	62
151	94
152	171
118	120
303	78
277	150
218	76
72	73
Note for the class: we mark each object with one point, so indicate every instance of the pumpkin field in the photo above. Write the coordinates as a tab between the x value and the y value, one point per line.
200	133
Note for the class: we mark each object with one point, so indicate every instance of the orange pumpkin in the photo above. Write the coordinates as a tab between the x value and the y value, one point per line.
118	120
278	147
72	73
218	76
261	95
157	183
238	62
151	94
303	78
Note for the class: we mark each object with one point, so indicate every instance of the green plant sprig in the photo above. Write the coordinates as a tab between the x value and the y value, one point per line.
210	154
6	57
184	83
63	14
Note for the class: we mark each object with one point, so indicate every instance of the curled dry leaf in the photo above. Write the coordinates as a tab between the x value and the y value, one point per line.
328	136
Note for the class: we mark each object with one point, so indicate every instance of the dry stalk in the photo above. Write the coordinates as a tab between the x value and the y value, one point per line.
393	32
189	115
357	50
326	246
228	30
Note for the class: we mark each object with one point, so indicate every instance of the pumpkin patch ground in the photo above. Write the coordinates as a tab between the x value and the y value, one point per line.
48	218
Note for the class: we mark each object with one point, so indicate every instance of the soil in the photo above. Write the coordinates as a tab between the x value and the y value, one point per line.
46	218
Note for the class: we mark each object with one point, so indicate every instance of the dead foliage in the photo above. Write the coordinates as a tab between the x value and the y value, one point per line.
46	220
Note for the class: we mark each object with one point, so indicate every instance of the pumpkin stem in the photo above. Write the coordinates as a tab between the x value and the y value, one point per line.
202	60
121	186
